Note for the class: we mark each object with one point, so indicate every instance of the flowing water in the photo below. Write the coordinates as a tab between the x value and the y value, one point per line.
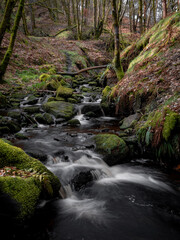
130	201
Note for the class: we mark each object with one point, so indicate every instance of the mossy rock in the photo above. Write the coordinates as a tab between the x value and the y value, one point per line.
51	99
64	92
61	99
4	130
26	192
92	83
52	85
3	101
65	83
32	110
60	109
113	147
49	119
44	77
7	125
20	136
74	122
72	100
15	115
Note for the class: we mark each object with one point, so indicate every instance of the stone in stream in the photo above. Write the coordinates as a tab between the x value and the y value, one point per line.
31	100
74	122
32	110
64	92
95	108
45	118
81	180
112	147
129	121
60	109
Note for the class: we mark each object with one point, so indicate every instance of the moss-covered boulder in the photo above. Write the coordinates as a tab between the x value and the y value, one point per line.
32	110
52	85
74	122
26	191
45	118
64	92
113	147
60	109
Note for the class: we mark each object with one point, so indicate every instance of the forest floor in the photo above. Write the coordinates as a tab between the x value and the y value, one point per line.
32	52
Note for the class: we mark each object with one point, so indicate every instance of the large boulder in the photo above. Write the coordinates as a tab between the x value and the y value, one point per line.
112	147
34	183
60	109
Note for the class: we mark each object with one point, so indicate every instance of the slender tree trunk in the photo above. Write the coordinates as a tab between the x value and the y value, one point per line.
25	27
154	11
95	15
140	16
145	15
7	56
73	11
6	18
164	6
117	62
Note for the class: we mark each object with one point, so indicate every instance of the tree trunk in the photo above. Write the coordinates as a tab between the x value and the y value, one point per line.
117	62
164	6
26	32
7	56
145	16
140	16
95	15
6	18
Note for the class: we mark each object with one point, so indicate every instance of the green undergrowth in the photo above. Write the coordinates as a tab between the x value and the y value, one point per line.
76	59
27	75
159	131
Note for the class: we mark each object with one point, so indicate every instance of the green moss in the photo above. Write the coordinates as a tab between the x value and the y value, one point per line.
25	192
76	58
106	92
44	77
64	92
52	85
14	156
60	109
111	144
171	120
74	122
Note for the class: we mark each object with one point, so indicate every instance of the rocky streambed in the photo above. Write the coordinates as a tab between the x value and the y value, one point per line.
108	191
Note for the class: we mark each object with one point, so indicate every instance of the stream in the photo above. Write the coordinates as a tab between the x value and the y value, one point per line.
134	200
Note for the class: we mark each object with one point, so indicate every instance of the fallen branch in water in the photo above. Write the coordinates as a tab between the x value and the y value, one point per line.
82	70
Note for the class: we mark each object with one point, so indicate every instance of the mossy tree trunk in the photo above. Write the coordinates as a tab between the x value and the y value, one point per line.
6	18
25	27
7	56
117	62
